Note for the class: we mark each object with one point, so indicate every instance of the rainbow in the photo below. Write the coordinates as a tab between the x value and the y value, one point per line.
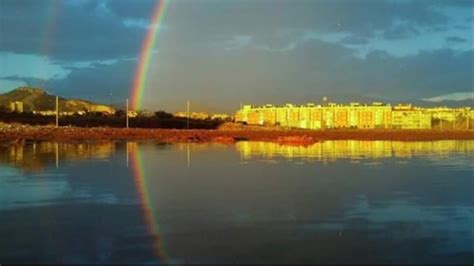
48	35
47	38
146	52
146	204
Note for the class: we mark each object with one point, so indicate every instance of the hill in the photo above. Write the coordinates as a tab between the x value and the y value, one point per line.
36	99
451	104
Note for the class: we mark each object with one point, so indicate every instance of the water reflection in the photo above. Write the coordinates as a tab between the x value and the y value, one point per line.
146	202
149	212
36	155
332	150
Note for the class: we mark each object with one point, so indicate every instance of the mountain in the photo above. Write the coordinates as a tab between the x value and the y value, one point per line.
447	103
348	97
37	99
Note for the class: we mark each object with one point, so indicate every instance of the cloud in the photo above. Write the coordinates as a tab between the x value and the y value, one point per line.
138	10
456	96
8	85
220	79
238	42
455	39
66	32
97	80
136	23
29	65
222	52
401	31
30	81
99	30
279	24
312	68
354	40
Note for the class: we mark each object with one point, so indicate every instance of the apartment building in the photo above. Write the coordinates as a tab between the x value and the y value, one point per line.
16	107
353	115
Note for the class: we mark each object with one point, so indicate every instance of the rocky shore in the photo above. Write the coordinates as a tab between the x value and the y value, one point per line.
15	132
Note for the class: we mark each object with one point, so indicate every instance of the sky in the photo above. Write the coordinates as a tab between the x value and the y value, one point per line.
220	53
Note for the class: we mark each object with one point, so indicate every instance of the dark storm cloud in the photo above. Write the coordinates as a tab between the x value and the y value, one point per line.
219	52
216	79
139	9
66	30
312	69
281	22
93	30
98	80
455	39
462	27
427	73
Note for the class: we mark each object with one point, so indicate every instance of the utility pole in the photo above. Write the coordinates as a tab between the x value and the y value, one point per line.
126	114
89	111
57	111
187	121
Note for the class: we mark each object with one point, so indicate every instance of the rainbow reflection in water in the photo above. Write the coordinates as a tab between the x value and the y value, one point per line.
140	180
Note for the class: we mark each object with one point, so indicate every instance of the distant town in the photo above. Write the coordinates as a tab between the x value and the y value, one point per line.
33	114
17	107
328	115
36	101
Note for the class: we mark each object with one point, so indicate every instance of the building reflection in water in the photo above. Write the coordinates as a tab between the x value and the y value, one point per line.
37	155
352	149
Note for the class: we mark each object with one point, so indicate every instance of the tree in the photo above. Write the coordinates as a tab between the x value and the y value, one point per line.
163	115
120	113
4	109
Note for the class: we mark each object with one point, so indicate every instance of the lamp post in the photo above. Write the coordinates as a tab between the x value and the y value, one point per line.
57	111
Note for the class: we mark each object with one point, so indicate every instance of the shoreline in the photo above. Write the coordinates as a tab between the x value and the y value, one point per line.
17	133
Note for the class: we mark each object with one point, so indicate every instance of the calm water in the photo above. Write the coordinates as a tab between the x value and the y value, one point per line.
337	201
